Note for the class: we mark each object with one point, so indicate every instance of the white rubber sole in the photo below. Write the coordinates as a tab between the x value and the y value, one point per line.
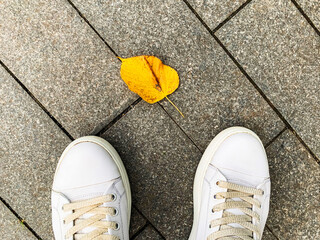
115	156
202	168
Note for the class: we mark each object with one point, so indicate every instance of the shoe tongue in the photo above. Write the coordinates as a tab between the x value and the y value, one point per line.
235	211
87	192
241	178
90	228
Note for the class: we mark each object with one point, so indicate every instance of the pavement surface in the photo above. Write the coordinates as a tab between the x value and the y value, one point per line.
253	63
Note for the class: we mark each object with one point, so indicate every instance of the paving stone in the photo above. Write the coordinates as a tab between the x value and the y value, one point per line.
214	12
281	52
267	235
63	63
149	233
312	9
10	226
137	221
161	162
213	93
295	190
30	147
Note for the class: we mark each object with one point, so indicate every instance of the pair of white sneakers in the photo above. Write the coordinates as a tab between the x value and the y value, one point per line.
91	196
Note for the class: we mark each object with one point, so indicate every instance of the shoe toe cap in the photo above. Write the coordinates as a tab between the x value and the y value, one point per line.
242	155
85	164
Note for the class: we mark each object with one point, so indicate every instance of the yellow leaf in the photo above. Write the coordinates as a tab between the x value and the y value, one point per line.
149	77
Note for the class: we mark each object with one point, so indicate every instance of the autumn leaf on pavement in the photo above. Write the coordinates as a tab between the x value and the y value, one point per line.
149	78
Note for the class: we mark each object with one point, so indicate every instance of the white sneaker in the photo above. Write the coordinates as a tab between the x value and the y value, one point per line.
90	196
231	188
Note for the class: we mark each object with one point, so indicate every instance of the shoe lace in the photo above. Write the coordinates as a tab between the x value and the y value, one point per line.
245	203
92	207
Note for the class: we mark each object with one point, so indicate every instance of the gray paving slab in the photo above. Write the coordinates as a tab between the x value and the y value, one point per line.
10	226
149	233
312	9
267	235
213	93
63	63
295	190
137	221
161	163
281	52
30	146
214	12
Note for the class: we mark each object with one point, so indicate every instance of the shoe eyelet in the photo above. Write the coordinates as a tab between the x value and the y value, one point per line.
116	212
262	192
215	196
217	183
212	210
209	225
117	227
114	197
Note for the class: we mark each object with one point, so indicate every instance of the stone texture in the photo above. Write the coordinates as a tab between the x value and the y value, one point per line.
295	195
281	52
137	221
214	12
213	93
30	147
161	162
267	235
312	9
63	63
10	226
149	233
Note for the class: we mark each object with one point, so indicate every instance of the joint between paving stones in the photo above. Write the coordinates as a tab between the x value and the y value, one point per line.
91	26
148	221
118	117
36	100
21	220
305	16
255	85
220	25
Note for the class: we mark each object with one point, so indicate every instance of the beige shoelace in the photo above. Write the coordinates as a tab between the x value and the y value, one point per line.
246	194
91	206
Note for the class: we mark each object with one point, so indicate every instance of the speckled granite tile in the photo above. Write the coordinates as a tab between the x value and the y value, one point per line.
149	233
63	63
214	12
161	162
267	235
137	221
30	147
10	226
312	9
281	52
295	190
213	93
